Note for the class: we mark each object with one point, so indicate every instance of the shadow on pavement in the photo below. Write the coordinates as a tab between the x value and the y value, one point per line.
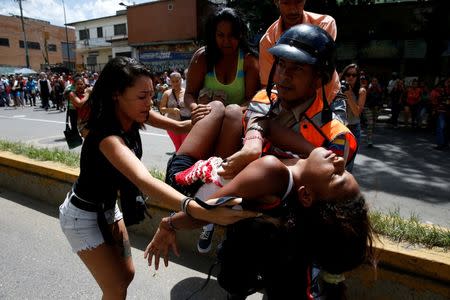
404	163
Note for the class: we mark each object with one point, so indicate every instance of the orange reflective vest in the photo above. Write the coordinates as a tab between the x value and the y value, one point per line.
332	135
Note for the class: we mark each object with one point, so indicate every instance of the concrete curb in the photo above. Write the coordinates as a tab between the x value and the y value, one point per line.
424	272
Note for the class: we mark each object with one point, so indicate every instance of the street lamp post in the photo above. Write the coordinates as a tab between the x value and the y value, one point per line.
67	35
27	57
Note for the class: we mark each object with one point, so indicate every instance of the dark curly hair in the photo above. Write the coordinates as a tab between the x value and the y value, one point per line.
117	75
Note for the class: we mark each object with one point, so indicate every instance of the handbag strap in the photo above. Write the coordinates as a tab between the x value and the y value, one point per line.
176	98
219	202
67	119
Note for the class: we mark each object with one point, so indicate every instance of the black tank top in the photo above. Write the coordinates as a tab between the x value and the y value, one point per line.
99	181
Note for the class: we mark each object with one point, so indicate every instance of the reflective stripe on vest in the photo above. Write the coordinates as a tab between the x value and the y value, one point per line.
312	128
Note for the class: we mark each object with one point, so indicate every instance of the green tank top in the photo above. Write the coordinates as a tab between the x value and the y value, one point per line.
235	91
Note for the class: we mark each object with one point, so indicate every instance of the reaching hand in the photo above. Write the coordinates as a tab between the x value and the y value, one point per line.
199	112
163	240
237	162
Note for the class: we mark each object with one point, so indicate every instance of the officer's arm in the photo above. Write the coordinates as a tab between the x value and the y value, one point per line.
287	139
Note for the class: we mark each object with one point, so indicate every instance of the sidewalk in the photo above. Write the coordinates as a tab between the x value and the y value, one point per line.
403	171
37	262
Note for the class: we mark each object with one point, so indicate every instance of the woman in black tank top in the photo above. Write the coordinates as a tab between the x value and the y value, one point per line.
110	162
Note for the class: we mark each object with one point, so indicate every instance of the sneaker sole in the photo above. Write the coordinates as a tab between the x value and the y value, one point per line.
203	251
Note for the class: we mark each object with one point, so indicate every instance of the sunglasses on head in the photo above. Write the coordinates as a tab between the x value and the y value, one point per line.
351	75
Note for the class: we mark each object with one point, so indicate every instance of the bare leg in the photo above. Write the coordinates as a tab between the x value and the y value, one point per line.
229	140
203	136
111	266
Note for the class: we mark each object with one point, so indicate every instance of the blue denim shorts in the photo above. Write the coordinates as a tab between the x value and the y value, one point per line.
81	227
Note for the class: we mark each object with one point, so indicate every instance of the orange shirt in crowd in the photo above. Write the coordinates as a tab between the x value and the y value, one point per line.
274	32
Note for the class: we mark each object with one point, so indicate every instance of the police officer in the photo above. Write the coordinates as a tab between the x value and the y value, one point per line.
305	63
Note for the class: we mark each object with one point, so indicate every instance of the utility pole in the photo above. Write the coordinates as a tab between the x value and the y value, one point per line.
24	35
67	36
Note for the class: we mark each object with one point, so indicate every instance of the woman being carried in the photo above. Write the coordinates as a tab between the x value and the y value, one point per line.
315	206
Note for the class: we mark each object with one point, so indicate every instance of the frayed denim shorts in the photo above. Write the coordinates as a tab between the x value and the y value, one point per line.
81	227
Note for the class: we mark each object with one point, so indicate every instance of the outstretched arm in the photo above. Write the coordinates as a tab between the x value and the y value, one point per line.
159	121
261	178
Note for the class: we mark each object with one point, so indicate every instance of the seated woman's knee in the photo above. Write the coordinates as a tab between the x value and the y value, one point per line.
217	107
233	111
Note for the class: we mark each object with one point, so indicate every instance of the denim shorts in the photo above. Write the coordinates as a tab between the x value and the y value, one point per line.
81	227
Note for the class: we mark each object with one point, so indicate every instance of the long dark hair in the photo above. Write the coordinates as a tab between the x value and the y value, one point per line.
239	31
118	74
355	89
340	238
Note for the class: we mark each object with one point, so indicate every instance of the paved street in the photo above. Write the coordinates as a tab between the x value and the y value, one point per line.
402	170
37	262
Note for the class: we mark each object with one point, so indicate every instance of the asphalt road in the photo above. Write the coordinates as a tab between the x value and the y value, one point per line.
401	172
37	261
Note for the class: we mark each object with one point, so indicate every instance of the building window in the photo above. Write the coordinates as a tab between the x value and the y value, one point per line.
99	32
4	42
31	45
91	60
52	47
120	29
84	34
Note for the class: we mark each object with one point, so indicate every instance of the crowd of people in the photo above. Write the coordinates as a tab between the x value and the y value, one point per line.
263	144
420	106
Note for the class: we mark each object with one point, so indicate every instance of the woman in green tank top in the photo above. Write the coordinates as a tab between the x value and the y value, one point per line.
225	69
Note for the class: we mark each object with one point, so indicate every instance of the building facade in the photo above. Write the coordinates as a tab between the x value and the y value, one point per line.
47	44
98	40
164	33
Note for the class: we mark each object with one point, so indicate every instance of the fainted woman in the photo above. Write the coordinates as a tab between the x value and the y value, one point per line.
110	163
317	217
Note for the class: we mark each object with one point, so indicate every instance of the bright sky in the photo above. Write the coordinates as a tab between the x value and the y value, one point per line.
76	10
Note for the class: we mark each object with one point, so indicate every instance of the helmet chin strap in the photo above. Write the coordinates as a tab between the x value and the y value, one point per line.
270	83
326	111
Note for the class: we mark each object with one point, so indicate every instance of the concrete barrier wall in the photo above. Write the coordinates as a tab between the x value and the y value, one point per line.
403	271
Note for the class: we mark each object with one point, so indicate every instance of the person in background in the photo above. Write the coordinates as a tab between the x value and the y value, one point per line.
79	108
413	96
110	162
441	108
172	106
373	104
356	99
398	97
292	13
31	90
17	91
45	88
4	95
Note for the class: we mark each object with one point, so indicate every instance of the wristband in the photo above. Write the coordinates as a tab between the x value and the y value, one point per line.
184	205
253	138
256	127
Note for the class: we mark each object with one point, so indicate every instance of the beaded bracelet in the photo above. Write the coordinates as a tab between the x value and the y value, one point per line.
255	127
253	138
